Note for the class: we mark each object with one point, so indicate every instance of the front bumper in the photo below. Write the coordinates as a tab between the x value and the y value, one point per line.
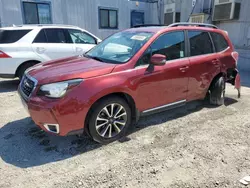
58	117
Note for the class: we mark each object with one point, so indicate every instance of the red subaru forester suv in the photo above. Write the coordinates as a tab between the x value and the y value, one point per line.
132	73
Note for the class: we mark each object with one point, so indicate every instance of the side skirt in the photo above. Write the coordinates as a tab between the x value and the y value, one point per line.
163	108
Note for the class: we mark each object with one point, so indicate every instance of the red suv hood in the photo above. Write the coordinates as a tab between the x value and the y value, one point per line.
69	68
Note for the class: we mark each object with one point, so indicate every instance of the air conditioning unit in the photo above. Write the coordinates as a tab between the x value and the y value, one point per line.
170	14
226	10
199	18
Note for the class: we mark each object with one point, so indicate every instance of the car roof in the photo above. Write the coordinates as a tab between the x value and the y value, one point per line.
31	26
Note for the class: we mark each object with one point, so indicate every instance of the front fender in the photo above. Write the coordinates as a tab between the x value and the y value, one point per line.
98	87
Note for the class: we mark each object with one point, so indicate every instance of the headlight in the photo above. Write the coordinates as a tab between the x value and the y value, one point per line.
58	90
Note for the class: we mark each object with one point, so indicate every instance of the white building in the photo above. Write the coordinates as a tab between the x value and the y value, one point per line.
101	17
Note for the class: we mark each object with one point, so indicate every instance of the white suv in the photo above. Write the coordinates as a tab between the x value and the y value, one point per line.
24	46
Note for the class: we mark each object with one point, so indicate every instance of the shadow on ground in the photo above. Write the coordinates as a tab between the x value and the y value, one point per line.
8	85
24	145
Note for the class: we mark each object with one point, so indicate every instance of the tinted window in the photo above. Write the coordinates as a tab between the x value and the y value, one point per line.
219	42
108	18
37	13
55	35
172	45
11	36
80	37
41	37
200	43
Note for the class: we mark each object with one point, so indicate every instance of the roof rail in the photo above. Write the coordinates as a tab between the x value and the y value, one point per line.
147	25
40	25
192	24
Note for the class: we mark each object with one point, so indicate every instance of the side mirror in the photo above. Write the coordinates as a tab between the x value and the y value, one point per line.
98	41
158	59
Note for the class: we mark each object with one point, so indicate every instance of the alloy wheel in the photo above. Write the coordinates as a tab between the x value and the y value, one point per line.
111	120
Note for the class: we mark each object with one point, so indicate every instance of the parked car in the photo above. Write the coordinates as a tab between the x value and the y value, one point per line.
24	46
108	88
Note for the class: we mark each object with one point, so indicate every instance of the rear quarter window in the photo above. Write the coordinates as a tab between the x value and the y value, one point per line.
11	36
220	42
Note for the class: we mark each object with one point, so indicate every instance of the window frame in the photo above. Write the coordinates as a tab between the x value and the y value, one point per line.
108	9
188	42
186	54
36	2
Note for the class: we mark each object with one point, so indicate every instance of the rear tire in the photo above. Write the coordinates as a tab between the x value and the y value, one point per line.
109	120
217	92
23	68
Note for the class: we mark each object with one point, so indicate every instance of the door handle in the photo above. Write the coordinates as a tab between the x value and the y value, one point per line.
40	50
216	61
79	49
183	69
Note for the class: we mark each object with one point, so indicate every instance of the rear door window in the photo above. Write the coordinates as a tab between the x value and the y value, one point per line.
55	36
200	43
220	42
11	36
41	37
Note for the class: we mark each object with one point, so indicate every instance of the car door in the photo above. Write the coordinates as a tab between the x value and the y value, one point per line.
82	41
204	63
163	86
52	43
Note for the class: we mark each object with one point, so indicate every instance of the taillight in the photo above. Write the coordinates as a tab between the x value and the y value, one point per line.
4	55
235	55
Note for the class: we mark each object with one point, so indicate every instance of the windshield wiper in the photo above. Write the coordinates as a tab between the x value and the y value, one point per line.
85	55
95	58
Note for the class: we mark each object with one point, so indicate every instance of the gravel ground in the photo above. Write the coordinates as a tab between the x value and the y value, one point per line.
193	146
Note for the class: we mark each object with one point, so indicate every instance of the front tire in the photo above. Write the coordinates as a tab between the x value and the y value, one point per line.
23	68
217	92
109	120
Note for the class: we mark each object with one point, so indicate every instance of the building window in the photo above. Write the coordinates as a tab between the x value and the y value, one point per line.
108	18
37	13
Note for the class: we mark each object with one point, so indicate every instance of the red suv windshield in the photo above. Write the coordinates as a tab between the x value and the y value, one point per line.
120	47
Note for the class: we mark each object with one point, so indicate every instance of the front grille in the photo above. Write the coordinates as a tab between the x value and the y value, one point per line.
27	86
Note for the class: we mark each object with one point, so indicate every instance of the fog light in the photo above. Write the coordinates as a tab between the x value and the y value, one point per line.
54	128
